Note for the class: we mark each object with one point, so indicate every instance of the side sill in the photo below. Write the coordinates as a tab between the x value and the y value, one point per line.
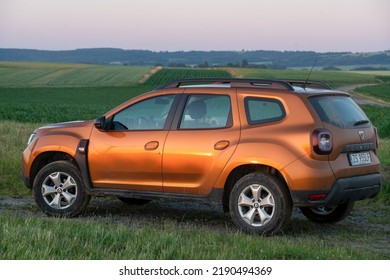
215	196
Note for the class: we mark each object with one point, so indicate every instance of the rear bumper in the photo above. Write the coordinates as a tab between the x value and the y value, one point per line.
343	190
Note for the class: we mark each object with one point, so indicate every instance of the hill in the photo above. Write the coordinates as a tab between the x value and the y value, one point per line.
253	59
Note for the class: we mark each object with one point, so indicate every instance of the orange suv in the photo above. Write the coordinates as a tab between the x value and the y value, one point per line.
257	147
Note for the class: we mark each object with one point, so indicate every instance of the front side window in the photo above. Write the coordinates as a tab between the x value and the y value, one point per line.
263	110
149	114
206	112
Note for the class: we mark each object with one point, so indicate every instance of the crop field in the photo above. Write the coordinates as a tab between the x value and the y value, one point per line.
23	74
48	104
334	78
167	75
110	229
376	73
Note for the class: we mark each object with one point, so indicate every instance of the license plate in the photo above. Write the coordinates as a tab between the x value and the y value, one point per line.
360	158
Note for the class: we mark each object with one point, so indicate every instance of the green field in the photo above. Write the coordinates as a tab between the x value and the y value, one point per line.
333	78
167	75
54	104
376	73
18	74
379	92
158	230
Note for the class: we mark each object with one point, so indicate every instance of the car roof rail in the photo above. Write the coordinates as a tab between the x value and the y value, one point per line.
309	84
233	82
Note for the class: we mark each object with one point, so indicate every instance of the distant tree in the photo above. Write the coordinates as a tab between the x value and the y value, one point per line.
205	64
244	63
331	68
259	66
235	65
174	64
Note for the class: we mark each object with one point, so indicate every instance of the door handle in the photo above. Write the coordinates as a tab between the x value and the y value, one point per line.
152	145
221	145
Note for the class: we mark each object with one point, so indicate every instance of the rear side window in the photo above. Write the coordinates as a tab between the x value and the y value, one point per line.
339	111
263	110
206	111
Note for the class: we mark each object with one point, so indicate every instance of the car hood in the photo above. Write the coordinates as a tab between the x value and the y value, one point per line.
73	124
80	129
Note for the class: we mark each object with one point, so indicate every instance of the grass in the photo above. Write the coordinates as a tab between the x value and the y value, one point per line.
179	237
384	157
13	139
380	117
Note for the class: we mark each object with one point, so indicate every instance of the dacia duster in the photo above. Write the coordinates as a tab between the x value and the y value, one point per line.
257	147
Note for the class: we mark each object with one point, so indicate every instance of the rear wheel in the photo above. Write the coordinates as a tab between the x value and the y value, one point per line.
260	204
59	190
328	215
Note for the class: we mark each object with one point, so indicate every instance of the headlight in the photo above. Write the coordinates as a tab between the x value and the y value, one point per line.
31	138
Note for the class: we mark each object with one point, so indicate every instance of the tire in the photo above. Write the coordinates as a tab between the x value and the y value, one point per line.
59	190
328	215
133	201
260	204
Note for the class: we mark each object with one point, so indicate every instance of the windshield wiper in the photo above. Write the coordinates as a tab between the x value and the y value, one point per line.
361	122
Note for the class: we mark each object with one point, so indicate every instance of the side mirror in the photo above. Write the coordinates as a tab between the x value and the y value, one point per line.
100	123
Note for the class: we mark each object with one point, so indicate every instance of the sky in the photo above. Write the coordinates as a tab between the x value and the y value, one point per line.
184	25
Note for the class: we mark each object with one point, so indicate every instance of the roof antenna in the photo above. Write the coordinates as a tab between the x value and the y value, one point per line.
311	70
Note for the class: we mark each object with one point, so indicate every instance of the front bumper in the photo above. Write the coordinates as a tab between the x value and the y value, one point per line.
25	179
342	191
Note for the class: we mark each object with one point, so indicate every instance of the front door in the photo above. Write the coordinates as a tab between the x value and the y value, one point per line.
129	154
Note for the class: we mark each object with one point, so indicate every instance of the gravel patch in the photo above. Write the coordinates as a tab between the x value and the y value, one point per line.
192	214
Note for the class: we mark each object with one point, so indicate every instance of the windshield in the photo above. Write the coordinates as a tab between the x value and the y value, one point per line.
339	111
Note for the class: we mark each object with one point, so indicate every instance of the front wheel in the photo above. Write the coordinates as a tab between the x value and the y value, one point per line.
260	204
59	190
328	215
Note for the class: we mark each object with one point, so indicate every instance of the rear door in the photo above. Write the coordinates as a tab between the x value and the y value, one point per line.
203	137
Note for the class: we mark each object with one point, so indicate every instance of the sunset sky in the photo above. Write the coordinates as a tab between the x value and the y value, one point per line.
174	25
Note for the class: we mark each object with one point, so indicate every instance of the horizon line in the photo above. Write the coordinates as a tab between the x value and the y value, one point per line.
173	51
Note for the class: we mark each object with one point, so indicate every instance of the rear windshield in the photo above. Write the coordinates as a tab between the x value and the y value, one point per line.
339	111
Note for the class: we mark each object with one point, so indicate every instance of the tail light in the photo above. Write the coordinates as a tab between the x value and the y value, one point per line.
322	141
